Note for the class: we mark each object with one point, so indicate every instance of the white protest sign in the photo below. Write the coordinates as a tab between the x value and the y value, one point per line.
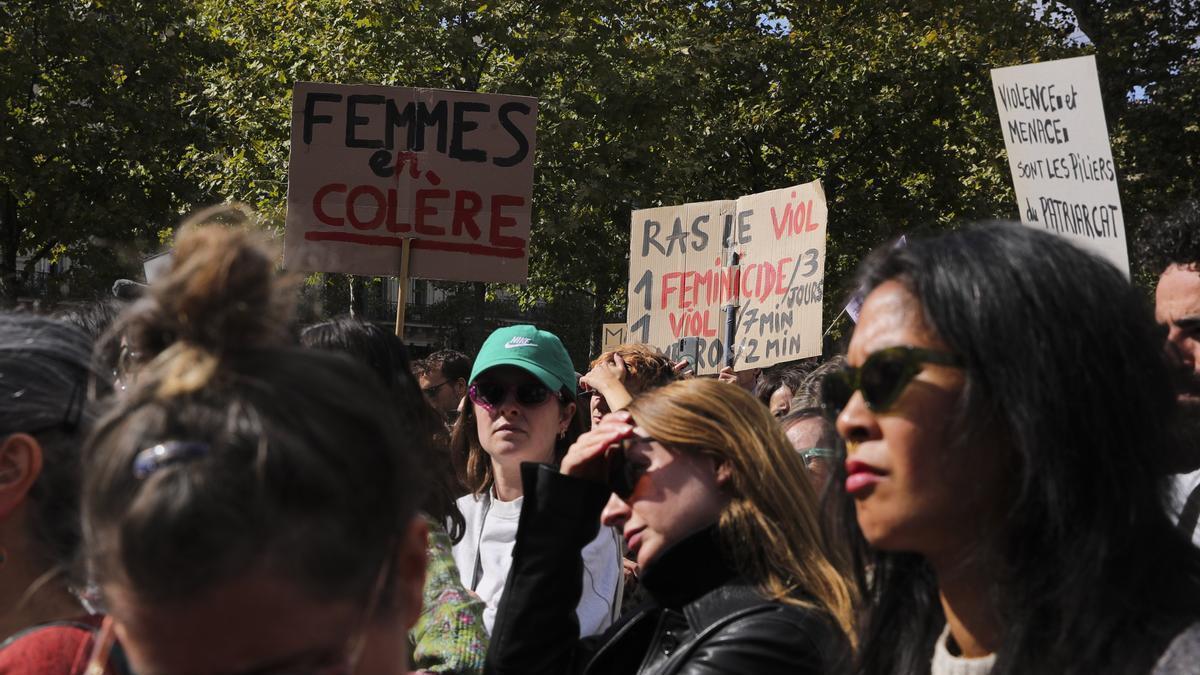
371	166
680	277
1052	118
156	266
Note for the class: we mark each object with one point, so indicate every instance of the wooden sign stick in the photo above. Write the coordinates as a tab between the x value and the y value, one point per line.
402	289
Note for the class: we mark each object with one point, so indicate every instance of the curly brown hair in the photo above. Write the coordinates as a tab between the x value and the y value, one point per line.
647	368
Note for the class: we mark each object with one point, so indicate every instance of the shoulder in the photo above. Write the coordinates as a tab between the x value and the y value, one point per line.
752	634
1182	654
54	649
469	503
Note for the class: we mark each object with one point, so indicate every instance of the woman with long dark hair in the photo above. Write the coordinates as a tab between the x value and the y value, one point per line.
1006	413
45	368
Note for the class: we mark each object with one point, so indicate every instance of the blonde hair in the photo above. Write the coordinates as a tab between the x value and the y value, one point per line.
770	527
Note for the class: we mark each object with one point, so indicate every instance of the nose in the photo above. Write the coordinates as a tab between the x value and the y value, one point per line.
509	406
616	512
1183	349
857	423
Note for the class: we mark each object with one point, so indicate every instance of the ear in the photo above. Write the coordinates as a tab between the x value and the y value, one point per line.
410	562
460	387
20	466
723	471
565	415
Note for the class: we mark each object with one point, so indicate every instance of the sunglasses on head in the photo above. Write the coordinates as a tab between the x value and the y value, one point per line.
624	473
881	378
491	395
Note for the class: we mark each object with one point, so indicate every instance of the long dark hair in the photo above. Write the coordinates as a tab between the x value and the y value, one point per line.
387	356
236	449
1063	361
45	368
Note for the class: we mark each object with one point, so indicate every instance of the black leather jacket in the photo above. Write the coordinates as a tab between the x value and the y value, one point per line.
703	618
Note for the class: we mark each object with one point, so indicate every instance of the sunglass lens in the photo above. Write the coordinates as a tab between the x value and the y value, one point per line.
836	391
618	474
883	379
489	394
532	393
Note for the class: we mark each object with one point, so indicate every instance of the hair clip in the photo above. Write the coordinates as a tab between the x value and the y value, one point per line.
156	457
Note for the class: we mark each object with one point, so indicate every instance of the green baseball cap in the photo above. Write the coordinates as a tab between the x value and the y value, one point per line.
538	352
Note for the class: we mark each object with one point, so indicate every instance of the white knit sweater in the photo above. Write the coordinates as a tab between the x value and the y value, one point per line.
945	663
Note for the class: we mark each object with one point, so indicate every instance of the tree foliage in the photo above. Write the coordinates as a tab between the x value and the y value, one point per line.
640	104
94	139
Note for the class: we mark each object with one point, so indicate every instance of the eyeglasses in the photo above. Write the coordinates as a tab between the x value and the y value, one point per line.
623	473
881	378
810	454
491	395
432	390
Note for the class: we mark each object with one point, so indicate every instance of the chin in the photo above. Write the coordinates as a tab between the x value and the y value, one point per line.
884	535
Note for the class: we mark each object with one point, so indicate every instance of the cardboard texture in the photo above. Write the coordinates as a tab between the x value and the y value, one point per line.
680	278
614	336
1052	118
371	166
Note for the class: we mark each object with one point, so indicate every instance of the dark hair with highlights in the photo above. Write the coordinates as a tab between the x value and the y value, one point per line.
1063	368
308	473
454	365
387	356
1171	238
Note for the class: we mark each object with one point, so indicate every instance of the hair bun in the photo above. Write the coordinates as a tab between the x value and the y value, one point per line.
221	294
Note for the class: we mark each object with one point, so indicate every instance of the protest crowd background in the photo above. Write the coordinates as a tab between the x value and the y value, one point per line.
667	338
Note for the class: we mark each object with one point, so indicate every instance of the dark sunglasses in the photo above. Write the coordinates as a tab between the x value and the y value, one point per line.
881	378
491	395
624	474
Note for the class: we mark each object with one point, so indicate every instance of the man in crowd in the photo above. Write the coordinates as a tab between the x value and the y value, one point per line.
443	377
1172	245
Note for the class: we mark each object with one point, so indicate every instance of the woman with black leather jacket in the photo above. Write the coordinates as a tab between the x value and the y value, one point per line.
716	507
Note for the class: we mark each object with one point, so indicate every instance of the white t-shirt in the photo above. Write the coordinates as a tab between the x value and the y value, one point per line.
484	556
1182	485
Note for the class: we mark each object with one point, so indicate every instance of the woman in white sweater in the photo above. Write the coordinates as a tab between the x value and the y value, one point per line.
521	409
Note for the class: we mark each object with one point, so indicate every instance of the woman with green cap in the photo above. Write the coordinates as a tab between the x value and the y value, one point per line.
521	409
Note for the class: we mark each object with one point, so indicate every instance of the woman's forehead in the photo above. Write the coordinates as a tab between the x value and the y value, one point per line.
891	316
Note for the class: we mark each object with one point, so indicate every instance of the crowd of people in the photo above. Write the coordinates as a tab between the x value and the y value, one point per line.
998	475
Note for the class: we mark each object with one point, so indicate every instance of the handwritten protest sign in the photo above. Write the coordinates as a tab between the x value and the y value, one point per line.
614	336
371	166
1057	140
680	276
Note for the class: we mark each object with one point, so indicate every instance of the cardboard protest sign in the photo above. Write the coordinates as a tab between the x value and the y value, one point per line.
371	166
614	336
680	276
156	266
1052	118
